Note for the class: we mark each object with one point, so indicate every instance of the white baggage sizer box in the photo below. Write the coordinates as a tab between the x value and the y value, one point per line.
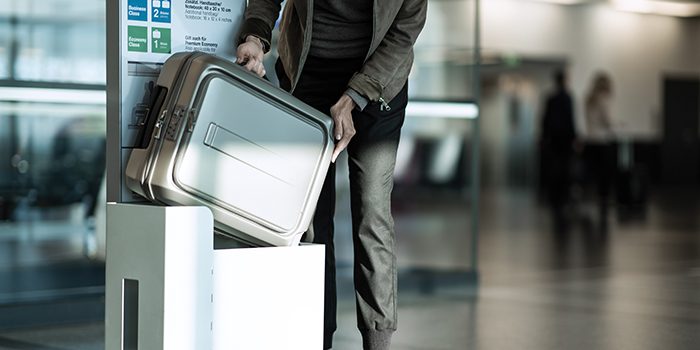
218	136
167	288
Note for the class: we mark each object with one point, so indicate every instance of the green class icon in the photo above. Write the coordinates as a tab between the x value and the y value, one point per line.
160	40
137	39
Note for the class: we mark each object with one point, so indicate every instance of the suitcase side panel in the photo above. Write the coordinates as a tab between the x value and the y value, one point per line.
143	157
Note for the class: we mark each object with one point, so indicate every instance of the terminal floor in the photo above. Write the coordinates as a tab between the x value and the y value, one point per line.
634	287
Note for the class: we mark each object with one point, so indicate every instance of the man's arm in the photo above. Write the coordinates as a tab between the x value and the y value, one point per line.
379	69
396	47
260	18
256	34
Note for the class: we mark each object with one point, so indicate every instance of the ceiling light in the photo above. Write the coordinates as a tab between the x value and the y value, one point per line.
42	95
439	109
564	2
667	8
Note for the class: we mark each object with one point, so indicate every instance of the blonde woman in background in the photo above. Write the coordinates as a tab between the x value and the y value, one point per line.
600	140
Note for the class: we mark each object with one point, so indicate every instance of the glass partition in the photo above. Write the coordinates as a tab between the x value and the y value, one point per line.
436	176
52	157
53	40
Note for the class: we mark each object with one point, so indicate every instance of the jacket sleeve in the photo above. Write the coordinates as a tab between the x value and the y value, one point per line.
260	18
395	48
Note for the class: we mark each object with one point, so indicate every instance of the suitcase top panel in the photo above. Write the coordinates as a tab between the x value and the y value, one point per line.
252	154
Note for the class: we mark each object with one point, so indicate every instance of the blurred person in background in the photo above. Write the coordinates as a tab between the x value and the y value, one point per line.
600	141
558	140
350	60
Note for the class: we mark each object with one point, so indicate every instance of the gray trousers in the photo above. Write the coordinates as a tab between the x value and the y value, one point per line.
371	160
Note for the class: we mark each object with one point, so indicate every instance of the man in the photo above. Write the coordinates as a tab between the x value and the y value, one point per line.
349	59
558	143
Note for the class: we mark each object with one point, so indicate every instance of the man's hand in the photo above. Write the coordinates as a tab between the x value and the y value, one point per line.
344	130
251	54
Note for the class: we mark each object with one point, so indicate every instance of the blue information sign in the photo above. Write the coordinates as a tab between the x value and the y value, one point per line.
160	11
138	10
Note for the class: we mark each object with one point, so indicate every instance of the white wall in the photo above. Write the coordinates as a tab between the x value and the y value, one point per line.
635	49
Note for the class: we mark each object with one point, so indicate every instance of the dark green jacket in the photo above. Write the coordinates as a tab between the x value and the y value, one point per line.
397	24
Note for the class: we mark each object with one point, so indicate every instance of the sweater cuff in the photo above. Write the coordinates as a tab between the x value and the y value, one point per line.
257	28
360	101
366	86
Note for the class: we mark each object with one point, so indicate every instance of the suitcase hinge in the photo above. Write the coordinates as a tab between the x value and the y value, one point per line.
191	119
159	124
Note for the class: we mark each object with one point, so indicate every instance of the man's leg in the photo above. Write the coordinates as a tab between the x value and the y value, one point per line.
371	157
320	89
322	232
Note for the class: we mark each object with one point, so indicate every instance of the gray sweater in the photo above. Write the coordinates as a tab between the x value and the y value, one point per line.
395	28
341	28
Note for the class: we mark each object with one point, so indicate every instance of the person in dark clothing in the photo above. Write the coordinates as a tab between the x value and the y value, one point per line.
600	141
350	60
557	148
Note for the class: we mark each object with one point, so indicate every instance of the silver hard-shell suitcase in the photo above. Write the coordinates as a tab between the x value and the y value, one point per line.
216	135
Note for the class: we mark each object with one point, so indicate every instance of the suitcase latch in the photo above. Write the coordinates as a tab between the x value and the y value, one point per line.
174	124
159	125
191	120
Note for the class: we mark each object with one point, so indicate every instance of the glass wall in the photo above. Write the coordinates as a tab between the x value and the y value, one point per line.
52	148
435	186
53	40
443	143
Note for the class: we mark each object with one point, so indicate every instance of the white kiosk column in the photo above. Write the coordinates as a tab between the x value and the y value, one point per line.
159	277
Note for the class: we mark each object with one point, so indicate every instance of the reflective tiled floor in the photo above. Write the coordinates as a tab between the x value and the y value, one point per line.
635	287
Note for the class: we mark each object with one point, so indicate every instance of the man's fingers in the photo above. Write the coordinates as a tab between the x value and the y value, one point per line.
348	133
260	69
250	56
344	128
251	65
340	147
338	131
243	54
256	67
336	153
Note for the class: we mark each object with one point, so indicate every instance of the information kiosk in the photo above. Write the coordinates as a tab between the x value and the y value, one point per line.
170	283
